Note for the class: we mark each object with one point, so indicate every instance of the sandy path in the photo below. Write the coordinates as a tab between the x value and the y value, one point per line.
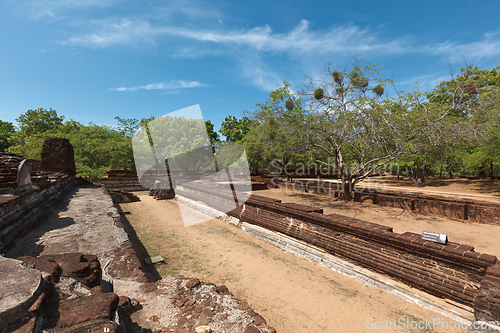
293	294
478	190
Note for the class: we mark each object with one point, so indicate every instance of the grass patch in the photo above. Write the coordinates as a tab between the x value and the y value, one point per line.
411	323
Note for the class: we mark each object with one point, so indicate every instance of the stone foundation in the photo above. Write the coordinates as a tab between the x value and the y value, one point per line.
474	211
453	272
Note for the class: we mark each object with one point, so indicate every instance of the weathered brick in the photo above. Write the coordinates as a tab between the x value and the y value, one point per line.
493	270
488	258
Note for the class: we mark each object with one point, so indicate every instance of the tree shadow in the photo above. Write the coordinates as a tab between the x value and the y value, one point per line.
321	201
142	253
28	243
489	186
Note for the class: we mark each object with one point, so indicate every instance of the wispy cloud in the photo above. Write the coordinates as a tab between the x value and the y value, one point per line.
301	45
300	41
423	82
169	87
115	32
487	46
38	9
259	73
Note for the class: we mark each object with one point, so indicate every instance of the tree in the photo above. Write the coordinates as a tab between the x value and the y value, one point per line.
278	128
38	121
127	126
475	93
96	148
213	136
6	131
183	141
235	129
361	130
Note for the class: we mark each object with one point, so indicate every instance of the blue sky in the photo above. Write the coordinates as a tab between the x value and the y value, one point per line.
92	60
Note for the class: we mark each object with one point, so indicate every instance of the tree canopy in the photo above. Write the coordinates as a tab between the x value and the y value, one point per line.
38	121
235	129
6	131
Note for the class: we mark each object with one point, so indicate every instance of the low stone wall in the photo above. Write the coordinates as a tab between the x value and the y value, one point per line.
453	271
21	213
474	211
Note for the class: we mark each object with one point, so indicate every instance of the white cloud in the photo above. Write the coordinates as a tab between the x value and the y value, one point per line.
487	46
423	82
249	46
115	32
299	41
171	86
260	75
38	9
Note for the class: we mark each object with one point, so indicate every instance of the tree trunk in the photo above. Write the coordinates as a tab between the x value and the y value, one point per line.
418	173
346	179
491	170
482	171
451	175
347	190
256	169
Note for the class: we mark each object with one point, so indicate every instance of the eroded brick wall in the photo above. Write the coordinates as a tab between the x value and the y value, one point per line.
453	271
479	212
9	164
57	156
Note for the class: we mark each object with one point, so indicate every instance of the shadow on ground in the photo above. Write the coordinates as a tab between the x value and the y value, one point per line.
28	244
139	248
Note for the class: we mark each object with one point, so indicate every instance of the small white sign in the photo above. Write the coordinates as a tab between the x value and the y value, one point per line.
434	237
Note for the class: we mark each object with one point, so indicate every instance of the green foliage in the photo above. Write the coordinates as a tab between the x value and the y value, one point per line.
235	129
96	148
337	77
127	126
278	131
319	93
37	121
6	131
378	90
289	105
213	136
182	141
361	131
473	99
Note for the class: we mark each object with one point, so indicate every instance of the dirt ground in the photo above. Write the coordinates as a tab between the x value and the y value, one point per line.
450	188
294	295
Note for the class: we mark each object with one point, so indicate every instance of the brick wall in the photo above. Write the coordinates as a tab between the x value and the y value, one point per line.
453	271
487	305
479	212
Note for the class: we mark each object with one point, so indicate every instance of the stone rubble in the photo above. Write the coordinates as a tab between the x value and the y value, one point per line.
73	301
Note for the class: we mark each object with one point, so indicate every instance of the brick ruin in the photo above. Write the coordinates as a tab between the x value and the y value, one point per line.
57	156
452	272
26	195
15	174
64	291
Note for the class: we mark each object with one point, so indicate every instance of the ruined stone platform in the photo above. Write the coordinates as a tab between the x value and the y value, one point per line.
83	222
19	289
